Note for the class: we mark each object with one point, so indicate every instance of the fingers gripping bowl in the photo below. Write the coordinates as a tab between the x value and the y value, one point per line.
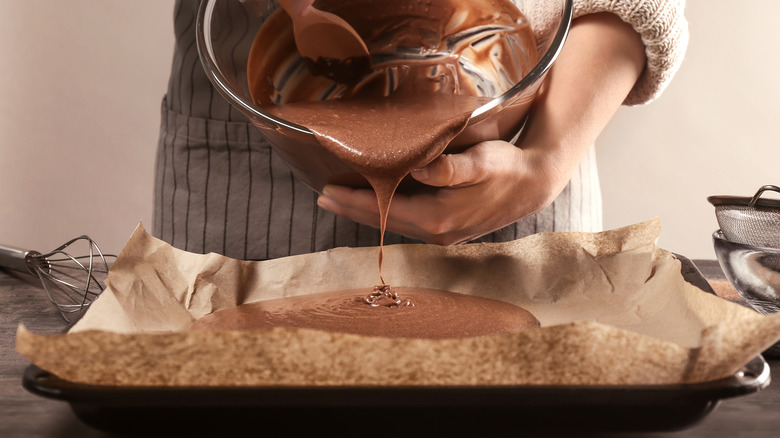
226	30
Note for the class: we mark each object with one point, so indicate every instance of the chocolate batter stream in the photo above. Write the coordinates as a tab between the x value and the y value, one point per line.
384	139
435	62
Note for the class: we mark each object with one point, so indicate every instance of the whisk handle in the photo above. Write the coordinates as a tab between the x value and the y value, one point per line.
18	259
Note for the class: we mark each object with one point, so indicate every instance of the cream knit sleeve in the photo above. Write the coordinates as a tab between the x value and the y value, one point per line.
664	31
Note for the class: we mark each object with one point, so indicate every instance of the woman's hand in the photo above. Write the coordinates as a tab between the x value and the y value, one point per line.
486	187
493	184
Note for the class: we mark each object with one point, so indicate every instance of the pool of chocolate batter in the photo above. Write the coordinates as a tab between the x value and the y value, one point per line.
436	315
434	63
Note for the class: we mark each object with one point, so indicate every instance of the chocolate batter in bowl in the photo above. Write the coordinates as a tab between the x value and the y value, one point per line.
226	31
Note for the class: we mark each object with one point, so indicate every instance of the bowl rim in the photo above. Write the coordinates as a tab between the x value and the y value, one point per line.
718	236
217	79
755	201
745	201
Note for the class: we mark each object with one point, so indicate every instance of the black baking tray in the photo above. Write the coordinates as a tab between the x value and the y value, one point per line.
397	410
393	410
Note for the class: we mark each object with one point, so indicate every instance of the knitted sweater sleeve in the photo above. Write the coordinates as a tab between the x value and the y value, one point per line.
663	30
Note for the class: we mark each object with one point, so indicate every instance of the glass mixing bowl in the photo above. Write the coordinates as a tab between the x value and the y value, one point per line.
754	271
226	30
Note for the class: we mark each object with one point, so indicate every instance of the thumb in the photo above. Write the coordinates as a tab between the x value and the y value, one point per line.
449	170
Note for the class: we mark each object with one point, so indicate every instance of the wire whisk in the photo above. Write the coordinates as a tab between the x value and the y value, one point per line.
71	282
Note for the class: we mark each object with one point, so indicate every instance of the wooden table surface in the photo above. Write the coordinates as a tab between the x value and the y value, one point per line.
23	414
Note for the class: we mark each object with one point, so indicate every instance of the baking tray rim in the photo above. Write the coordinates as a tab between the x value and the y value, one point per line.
753	377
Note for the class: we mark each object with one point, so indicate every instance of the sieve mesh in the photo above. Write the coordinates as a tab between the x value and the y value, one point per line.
751	221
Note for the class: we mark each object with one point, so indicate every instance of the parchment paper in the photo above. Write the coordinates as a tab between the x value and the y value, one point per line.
614	309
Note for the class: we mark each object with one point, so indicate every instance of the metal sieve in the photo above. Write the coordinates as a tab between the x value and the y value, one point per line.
750	221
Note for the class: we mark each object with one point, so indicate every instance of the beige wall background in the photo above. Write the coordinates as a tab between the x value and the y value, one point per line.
81	84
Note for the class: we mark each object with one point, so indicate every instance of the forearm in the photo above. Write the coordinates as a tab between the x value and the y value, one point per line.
597	68
664	32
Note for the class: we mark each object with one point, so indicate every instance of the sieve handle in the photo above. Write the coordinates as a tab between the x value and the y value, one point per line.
760	191
17	259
